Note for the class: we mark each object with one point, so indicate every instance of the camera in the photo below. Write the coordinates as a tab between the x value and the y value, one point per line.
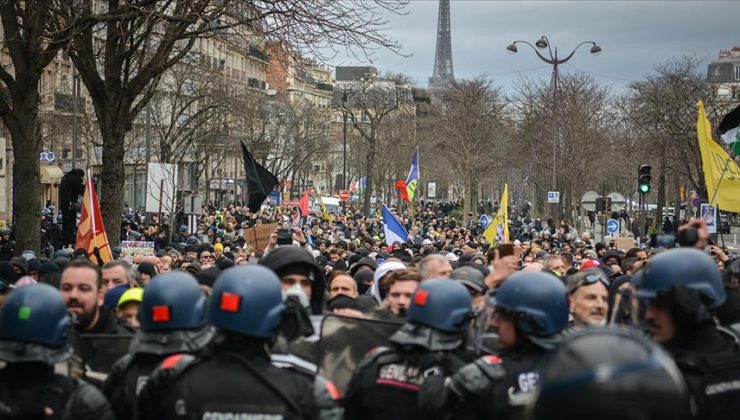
285	237
685	238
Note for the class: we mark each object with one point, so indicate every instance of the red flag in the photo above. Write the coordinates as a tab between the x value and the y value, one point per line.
401	187
91	232
303	203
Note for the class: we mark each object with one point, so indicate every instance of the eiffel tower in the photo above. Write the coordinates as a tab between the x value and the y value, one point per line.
443	73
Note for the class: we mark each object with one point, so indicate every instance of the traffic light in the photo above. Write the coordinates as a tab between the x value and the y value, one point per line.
643	179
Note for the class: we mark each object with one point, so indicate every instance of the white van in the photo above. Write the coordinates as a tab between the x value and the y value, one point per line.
333	205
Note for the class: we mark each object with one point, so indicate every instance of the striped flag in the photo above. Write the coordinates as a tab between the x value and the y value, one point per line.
393	229
91	231
729	129
413	178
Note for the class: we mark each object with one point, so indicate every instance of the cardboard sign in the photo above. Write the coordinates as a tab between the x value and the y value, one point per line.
625	243
129	248
258	236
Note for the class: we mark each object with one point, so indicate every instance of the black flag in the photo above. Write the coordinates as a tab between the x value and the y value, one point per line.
260	181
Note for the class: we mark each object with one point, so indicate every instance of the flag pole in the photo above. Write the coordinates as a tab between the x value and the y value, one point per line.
721	177
92	210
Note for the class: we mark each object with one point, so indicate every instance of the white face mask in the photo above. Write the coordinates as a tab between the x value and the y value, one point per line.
297	291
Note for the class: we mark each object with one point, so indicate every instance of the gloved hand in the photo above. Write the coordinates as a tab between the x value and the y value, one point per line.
440	363
295	321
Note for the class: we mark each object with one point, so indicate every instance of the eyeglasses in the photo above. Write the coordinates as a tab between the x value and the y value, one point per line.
206	256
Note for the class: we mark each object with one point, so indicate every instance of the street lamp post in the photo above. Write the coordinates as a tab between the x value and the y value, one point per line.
344	140
552	58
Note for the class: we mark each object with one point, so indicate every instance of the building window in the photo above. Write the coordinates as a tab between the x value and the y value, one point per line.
716	70
737	71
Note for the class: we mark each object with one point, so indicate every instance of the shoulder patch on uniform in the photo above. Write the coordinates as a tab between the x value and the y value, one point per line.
492	360
332	390
371	356
172	361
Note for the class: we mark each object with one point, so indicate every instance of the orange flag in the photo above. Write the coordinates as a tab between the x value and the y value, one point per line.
91	232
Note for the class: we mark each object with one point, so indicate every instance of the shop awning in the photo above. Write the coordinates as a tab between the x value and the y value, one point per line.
51	174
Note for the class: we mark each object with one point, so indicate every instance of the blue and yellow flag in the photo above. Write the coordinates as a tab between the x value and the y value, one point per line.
413	179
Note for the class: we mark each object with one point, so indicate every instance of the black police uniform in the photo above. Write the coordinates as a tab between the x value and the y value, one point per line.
387	382
26	388
236	380
125	381
709	359
493	387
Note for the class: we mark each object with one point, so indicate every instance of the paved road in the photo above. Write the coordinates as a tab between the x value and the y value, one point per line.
732	240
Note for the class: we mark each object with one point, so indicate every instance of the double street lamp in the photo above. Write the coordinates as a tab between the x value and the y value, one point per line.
552	58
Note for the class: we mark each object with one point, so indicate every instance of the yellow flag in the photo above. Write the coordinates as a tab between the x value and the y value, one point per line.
498	231
324	213
721	173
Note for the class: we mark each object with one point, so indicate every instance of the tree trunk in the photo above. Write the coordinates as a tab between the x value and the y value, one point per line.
26	139
467	198
663	167
25	133
369	171
113	174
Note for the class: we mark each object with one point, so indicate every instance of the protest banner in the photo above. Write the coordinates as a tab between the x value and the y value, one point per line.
129	248
258	236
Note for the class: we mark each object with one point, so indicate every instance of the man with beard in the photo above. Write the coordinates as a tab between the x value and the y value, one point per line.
81	288
588	294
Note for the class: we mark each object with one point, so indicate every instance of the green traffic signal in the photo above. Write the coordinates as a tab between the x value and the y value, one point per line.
643	179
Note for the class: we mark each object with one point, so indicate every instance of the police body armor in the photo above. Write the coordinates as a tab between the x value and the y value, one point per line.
126	380
27	389
430	344
496	387
233	382
388	380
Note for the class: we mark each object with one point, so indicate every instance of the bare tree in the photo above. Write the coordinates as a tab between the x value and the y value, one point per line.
370	101
121	58
662	108
470	133
32	39
581	122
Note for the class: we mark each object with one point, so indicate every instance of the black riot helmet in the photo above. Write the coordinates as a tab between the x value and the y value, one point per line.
609	374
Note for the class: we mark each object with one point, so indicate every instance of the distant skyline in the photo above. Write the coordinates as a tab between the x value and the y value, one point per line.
636	36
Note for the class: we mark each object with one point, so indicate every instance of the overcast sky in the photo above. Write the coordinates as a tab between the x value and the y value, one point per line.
635	37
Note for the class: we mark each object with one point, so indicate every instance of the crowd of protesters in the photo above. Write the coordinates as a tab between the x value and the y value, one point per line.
457	296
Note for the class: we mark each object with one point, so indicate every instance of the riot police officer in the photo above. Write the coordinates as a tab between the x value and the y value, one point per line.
387	381
679	289
609	374
173	320
34	327
235	379
527	313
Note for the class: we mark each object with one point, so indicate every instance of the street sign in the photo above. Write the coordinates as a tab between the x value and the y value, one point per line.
485	220
612	226
553	197
344	195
